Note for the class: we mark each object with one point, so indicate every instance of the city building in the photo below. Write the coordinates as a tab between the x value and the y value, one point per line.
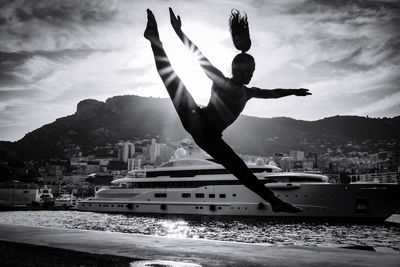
297	155
126	150
286	163
135	163
154	151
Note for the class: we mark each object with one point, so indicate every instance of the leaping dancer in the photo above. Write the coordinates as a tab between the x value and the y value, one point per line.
228	99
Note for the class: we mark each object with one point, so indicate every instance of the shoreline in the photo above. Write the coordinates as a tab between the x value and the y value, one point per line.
33	246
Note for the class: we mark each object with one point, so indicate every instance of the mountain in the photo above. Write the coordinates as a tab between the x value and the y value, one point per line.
97	123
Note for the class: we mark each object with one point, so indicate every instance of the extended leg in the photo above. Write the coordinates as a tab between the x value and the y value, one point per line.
183	102
224	154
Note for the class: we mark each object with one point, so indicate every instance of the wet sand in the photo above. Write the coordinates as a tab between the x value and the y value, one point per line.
19	254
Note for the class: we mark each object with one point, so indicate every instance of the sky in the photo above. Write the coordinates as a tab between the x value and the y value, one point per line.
56	53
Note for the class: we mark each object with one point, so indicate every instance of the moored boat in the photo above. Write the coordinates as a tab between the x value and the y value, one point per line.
204	187
65	201
46	198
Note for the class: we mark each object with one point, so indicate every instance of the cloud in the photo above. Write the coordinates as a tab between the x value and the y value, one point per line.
346	52
388	102
55	53
52	25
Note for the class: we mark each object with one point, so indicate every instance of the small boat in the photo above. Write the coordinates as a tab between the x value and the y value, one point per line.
46	198
65	201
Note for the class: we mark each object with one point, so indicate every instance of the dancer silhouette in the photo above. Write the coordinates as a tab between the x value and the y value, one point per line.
228	98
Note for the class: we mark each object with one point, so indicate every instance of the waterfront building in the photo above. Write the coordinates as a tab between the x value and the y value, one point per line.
78	165
126	150
116	165
277	156
286	163
17	193
323	162
297	155
50	179
135	163
384	155
154	151
167	151
74	179
92	167
297	164
103	163
131	164
54	170
309	163
159	152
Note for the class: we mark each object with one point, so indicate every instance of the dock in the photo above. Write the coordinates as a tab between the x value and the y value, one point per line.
194	252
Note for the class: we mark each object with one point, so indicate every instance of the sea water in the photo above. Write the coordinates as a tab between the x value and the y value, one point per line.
251	230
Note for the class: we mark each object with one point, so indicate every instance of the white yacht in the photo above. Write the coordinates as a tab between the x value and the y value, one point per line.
46	197
203	187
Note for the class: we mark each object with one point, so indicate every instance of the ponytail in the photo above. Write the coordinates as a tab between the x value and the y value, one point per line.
239	28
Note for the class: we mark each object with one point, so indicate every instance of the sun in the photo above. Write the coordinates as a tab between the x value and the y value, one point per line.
186	63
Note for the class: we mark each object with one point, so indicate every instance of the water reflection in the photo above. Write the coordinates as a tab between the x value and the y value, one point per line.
251	230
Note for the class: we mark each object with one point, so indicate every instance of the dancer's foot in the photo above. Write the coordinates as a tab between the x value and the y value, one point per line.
151	32
279	205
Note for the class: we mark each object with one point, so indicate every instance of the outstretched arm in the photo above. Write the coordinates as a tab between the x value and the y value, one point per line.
212	72
277	93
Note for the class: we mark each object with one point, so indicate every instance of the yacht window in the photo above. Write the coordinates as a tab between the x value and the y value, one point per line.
199	195
234	195
158	195
222	195
211	195
186	195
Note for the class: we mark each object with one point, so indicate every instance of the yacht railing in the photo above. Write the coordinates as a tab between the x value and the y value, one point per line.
381	177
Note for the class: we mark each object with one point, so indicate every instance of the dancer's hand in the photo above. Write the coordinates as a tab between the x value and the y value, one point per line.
301	92
175	21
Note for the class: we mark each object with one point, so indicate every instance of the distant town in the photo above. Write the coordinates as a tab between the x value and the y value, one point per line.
83	174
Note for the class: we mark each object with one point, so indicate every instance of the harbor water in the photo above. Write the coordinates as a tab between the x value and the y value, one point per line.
251	230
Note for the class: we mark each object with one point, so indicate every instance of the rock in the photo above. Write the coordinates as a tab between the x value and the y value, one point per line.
88	109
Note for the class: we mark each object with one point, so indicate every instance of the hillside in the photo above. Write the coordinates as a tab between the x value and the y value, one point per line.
97	123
